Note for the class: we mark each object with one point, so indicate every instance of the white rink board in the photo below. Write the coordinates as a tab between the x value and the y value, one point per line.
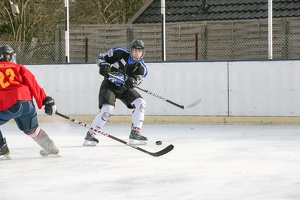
75	88
249	88
185	83
264	88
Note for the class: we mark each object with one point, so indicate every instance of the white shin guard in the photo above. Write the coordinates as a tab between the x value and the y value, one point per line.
139	112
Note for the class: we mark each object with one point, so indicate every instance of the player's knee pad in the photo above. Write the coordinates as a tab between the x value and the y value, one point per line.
105	116
142	107
106	111
100	119
28	124
28	121
139	104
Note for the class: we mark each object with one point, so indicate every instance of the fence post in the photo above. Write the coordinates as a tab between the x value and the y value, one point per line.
129	34
204	43
286	44
86	49
196	46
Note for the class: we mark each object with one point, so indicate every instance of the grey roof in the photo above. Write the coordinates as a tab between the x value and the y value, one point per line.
195	10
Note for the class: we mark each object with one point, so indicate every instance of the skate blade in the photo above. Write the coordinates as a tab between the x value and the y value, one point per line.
5	157
137	142
45	153
52	155
89	143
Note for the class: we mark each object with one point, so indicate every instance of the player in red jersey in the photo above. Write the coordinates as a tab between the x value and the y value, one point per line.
18	86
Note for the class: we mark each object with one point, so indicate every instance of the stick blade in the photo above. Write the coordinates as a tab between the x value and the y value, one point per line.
163	151
193	104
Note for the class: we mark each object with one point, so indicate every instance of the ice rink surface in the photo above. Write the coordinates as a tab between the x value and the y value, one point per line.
209	162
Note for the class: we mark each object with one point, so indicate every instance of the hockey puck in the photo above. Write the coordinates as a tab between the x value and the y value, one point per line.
158	142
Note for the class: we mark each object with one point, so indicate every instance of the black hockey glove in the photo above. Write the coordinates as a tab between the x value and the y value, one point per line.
104	69
130	82
50	107
135	69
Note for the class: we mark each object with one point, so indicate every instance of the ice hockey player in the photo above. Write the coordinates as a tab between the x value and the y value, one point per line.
18	86
128	65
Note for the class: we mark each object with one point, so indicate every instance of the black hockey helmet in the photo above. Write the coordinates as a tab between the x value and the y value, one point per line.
7	53
137	44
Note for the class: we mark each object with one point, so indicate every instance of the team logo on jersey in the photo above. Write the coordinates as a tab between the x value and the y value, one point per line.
123	61
116	65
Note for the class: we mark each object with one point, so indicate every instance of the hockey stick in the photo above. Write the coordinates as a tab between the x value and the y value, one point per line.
155	154
160	97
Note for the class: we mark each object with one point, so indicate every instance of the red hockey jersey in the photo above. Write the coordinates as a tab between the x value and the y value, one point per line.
18	83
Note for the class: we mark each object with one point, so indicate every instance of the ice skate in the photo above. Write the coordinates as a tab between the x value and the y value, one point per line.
48	146
4	151
90	140
136	138
51	150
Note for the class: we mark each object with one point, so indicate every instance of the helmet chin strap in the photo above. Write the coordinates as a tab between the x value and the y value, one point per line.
134	58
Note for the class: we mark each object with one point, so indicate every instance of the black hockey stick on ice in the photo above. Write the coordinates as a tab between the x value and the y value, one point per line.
160	97
155	154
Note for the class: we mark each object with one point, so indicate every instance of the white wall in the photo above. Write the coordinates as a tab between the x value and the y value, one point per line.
256	88
267	88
